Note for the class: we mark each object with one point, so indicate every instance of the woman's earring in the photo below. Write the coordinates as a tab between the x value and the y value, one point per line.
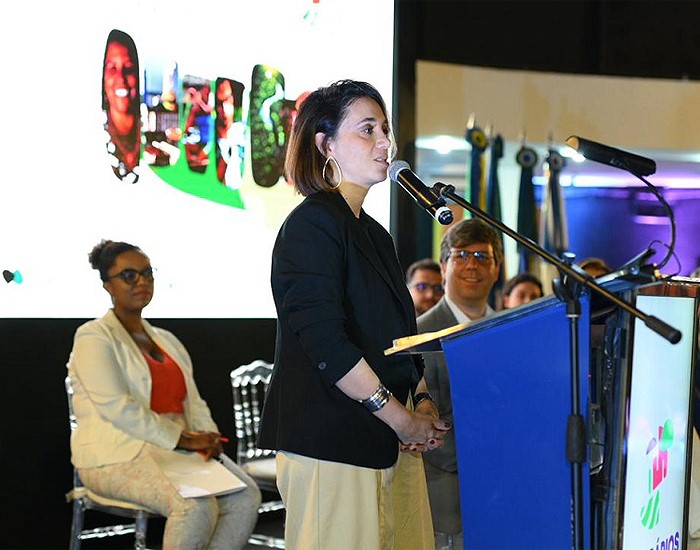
340	173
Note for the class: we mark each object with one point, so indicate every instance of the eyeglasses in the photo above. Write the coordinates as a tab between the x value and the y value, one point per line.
130	275
462	256
423	287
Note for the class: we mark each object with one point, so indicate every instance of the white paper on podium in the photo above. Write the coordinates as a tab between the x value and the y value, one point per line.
193	476
423	342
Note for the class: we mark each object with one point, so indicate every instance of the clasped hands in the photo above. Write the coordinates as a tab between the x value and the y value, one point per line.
207	444
426	431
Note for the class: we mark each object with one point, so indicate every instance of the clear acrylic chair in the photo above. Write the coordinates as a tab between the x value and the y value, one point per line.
83	500
249	384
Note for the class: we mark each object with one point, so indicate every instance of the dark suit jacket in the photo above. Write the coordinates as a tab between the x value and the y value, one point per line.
340	295
436	318
441	464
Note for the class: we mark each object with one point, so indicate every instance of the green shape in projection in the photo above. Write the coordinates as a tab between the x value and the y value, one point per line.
204	185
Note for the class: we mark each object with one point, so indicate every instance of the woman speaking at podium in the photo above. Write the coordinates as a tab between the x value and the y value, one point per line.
338	410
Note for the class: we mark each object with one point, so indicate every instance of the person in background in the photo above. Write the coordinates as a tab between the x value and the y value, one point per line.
424	281
595	267
348	422
121	104
471	256
521	289
134	396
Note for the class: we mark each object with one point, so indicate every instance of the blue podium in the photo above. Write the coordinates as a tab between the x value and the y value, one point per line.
510	376
643	390
511	382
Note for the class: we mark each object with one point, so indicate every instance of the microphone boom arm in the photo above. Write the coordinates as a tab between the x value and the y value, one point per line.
663	329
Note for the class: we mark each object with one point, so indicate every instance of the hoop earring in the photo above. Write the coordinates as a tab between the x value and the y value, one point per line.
340	172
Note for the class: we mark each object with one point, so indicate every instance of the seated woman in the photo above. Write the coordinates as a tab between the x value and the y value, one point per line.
135	396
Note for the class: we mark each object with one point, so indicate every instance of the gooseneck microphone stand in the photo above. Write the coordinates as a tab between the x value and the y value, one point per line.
663	329
568	289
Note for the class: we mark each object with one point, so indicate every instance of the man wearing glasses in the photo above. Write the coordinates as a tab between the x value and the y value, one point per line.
471	255
424	281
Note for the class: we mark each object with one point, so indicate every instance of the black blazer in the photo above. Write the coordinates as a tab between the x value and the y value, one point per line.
340	295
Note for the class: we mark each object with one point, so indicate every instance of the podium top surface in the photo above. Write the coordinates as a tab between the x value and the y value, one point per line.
428	342
615	282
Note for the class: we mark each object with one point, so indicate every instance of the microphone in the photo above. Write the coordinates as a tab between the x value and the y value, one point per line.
637	165
434	204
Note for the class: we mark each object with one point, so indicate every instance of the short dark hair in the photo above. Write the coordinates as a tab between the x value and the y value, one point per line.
595	263
323	110
423	263
467	232
103	255
523	277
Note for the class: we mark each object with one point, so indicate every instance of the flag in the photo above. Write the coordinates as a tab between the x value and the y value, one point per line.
493	192
493	209
554	237
527	208
477	180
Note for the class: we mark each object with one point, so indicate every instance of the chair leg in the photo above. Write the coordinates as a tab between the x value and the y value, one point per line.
76	525
141	524
266	540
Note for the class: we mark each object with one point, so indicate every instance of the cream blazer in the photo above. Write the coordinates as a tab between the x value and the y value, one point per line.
112	394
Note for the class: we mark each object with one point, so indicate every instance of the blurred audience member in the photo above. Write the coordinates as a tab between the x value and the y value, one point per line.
424	281
595	267
521	289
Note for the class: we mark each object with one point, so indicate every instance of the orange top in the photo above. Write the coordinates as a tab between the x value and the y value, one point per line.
168	389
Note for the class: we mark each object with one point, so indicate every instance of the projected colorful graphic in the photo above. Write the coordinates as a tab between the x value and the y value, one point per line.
166	125
191	138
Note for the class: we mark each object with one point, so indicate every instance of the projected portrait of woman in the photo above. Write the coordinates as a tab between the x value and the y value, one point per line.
120	103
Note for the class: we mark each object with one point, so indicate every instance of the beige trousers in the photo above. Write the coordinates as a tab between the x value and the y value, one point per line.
334	506
223	522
